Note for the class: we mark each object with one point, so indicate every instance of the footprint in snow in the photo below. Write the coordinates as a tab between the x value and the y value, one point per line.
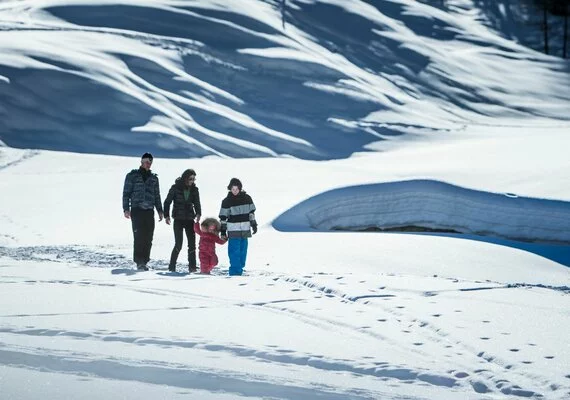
514	350
549	357
484	338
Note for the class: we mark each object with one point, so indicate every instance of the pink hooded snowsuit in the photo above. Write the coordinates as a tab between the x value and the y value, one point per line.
207	249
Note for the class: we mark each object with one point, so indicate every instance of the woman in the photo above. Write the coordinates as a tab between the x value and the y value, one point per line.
186	197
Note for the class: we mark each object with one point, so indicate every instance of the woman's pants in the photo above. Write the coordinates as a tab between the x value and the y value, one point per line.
181	225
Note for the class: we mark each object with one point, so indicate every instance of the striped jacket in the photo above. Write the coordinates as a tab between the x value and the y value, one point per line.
237	215
140	193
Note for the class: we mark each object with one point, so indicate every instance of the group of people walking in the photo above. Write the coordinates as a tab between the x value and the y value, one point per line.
141	195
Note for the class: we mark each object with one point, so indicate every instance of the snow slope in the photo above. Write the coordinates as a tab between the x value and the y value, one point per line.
229	78
311	106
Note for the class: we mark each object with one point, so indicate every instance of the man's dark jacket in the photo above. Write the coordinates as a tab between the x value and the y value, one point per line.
141	190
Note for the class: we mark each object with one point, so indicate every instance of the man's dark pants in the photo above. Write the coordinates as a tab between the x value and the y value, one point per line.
143	231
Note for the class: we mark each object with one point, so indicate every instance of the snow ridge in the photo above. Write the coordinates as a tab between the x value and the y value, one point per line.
435	205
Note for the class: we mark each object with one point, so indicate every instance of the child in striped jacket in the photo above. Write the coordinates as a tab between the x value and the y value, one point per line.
237	215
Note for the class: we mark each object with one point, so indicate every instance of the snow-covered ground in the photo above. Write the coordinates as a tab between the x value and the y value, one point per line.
318	315
398	115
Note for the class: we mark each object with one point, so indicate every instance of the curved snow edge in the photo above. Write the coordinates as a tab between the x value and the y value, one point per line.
434	205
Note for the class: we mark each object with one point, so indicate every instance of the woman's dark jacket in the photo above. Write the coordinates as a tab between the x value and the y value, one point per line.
182	208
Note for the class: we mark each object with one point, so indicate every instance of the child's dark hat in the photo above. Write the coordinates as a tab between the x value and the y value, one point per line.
234	182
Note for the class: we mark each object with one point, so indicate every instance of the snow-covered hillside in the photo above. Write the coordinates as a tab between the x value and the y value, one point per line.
345	120
314	79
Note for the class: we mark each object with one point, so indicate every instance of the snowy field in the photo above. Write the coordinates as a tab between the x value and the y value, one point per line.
403	115
347	315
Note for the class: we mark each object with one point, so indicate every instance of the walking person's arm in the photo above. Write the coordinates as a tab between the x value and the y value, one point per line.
127	192
224	215
197	205
197	229
252	220
157	201
167	202
220	240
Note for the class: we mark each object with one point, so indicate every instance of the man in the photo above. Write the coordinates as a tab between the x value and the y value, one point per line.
237	215
141	194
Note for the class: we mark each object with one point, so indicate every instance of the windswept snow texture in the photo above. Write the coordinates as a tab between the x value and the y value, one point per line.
234	79
439	206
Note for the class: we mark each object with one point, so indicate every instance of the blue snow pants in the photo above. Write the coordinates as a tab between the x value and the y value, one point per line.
237	251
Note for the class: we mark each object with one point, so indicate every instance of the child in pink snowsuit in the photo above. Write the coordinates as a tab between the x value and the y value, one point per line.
209	232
